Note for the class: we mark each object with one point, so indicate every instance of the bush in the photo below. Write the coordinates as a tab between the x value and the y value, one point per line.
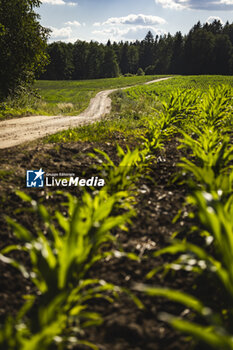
140	71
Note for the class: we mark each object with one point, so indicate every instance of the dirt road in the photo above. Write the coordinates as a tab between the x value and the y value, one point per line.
14	132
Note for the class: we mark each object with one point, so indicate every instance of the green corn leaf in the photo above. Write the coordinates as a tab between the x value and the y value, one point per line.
104	154
15	264
174	295
75	311
45	337
93	319
19	231
209	335
43	213
11	248
63	222
25	197
88	344
47	252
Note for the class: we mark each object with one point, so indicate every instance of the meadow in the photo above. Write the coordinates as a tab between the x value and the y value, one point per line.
144	263
131	107
63	97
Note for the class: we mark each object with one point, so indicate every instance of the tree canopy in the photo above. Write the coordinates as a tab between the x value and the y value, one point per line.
206	49
23	43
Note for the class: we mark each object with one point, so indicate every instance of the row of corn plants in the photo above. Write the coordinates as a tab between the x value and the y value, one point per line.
62	251
208	172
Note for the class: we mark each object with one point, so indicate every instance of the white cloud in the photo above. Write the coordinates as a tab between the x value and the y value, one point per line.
227	2
72	39
172	4
197	4
58	2
54	2
129	33
211	19
139	32
73	23
130	27
135	20
58	33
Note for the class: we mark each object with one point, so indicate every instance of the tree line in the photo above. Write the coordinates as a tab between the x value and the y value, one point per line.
24	53
206	49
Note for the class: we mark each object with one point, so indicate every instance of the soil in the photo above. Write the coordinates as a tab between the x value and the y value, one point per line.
125	327
14	132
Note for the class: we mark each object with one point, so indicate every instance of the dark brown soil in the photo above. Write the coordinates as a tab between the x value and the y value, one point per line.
125	327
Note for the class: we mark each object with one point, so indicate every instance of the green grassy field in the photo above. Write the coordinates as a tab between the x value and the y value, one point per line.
72	97
132	107
64	97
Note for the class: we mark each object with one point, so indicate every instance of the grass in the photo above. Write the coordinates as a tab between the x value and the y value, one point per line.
72	97
79	93
132	107
64	97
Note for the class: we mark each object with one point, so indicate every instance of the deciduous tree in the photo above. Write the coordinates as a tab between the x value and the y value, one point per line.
22	44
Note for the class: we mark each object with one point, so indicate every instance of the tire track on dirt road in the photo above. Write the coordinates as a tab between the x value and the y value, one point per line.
14	132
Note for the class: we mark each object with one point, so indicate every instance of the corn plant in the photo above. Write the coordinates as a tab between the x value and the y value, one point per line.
181	105
216	224
152	140
16	334
124	175
216	106
211	159
61	256
176	111
206	137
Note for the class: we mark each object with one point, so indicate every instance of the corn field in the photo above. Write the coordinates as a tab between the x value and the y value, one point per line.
65	244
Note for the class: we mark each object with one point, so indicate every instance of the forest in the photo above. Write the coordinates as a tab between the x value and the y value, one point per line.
206	49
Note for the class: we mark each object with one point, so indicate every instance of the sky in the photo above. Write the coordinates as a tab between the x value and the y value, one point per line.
100	20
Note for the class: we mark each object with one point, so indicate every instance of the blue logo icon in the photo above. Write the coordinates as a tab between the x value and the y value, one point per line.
35	178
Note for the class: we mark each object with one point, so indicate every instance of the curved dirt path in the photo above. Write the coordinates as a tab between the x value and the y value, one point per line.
14	132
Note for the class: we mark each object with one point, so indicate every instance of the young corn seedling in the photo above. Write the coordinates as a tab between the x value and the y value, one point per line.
181	106
215	220
212	157
153	140
216	106
123	176
61	256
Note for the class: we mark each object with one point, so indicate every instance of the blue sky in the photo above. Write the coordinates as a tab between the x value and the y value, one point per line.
100	20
